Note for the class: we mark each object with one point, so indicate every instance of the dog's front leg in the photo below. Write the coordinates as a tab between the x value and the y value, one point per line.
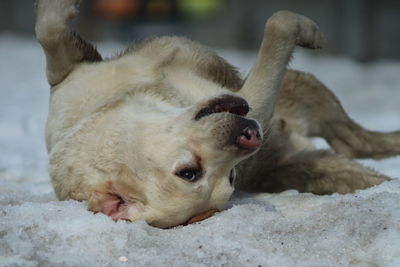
63	48
283	31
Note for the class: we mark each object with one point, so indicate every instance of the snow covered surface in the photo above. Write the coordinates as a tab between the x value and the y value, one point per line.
287	229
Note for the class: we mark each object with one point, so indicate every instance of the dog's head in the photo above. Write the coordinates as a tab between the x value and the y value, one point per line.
177	163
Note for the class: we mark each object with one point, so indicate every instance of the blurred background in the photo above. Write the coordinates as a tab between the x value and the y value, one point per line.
360	63
365	30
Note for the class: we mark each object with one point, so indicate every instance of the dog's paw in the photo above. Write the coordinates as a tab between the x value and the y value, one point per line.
56	11
52	17
302	30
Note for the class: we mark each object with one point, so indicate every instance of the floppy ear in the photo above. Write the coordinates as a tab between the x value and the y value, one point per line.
112	199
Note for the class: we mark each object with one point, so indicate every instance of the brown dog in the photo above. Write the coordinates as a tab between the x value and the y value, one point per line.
160	132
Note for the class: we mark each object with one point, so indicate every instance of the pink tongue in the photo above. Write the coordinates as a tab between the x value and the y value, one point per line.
250	140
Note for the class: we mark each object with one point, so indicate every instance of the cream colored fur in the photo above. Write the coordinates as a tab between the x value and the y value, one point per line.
119	129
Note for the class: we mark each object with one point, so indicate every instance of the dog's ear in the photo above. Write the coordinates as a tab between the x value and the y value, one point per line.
114	200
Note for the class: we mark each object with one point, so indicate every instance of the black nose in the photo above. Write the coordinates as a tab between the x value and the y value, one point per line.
225	103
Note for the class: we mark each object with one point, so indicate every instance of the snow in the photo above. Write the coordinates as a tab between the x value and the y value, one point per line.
287	229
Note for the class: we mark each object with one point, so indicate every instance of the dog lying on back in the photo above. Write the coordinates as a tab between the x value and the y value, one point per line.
166	130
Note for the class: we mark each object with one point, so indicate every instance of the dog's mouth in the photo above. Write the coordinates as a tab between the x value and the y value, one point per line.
226	103
245	133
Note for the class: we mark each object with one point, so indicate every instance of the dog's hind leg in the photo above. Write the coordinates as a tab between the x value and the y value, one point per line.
63	48
317	171
283	31
311	109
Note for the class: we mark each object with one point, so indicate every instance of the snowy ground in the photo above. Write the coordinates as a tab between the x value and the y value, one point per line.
288	229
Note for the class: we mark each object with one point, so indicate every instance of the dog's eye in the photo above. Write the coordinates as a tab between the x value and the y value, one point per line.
189	174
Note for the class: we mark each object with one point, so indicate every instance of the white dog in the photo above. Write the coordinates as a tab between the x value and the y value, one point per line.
160	132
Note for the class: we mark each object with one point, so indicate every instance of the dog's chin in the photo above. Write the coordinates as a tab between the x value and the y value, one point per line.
225	103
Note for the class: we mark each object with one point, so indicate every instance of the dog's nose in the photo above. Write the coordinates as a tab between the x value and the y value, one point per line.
250	138
247	134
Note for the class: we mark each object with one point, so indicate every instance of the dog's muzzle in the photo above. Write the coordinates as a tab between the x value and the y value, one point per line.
224	103
245	133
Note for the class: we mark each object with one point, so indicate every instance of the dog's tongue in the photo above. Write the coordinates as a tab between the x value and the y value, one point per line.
202	216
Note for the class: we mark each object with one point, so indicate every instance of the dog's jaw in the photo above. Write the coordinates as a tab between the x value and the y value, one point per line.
224	103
